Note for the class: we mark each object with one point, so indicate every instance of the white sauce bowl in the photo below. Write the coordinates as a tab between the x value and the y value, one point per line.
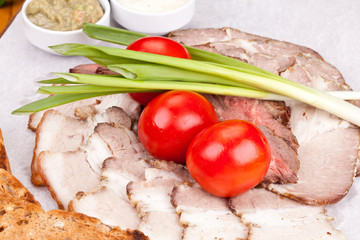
43	38
152	23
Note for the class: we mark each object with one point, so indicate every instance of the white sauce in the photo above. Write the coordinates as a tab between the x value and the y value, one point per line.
153	6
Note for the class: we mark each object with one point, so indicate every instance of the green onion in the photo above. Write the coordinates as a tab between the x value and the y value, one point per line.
115	83
277	85
55	81
111	34
85	89
206	73
56	100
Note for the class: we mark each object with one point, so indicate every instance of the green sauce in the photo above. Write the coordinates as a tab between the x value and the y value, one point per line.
63	15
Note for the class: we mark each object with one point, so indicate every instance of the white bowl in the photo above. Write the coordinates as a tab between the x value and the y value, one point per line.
152	23
43	38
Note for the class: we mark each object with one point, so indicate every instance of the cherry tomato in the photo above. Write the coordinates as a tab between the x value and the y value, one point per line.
229	158
156	45
169	123
144	98
160	45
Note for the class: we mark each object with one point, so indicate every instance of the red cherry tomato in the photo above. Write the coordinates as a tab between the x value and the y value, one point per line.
156	45
144	98
169	123
160	45
229	158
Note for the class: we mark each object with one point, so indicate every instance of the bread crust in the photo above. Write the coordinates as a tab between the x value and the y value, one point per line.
4	160
22	217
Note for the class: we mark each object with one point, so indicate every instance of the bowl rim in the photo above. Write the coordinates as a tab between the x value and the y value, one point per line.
189	3
104	4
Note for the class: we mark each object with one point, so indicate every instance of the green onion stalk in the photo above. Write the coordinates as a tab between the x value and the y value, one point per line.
205	73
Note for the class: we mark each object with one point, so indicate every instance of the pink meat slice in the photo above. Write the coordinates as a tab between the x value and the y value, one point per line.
92	69
205	216
152	199
272	217
108	201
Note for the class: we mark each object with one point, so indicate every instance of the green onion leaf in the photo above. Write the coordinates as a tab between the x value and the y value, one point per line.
55	100
55	81
111	34
205	73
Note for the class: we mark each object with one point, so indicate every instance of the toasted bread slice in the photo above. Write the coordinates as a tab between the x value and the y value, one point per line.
4	161
22	217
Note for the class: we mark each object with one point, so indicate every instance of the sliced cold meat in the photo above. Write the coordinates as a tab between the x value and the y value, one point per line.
108	201
66	109
85	68
152	200
86	108
92	69
329	147
328	155
272	119
57	133
60	133
122	141
205	216
65	174
272	217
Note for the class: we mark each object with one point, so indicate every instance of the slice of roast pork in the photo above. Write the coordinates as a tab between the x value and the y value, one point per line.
272	217
328	149
59	133
112	141
122	141
66	109
106	141
108	201
86	108
328	153
152	200
205	216
65	174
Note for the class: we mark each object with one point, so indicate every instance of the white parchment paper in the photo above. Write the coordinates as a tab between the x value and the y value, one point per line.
330	27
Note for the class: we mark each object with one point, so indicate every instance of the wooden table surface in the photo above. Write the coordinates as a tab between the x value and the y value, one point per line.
8	12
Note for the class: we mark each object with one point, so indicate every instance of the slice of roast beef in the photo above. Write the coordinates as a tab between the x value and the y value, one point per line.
205	216
329	147
92	69
272	119
272	217
85	68
152	200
